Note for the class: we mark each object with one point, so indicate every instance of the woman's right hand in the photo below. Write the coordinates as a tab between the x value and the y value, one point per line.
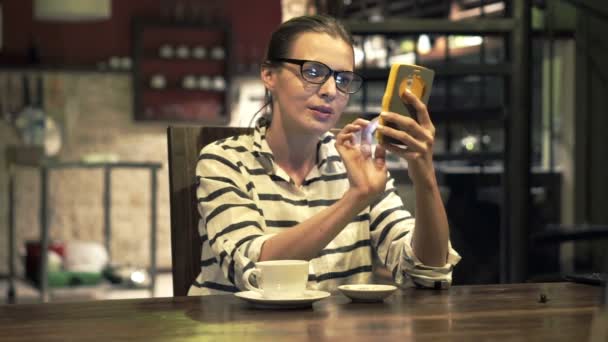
367	174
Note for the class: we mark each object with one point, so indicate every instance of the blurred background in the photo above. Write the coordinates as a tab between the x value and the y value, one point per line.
88	88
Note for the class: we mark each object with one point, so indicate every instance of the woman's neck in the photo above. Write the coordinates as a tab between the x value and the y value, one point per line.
294	153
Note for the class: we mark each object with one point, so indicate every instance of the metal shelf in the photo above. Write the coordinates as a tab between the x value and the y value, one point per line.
443	70
33	158
63	68
441	115
516	71
432	26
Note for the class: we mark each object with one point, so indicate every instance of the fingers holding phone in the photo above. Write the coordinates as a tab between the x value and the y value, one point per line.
407	92
422	114
402	133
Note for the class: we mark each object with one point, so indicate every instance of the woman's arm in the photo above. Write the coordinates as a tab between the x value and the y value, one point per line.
431	235
305	240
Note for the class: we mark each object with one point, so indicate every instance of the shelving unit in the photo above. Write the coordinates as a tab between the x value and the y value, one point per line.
32	157
444	110
181	71
58	68
511	115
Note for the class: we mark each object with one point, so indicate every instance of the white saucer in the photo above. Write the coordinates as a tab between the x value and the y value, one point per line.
367	292
304	300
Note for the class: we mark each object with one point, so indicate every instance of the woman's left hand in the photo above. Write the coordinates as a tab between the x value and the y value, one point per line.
367	174
417	137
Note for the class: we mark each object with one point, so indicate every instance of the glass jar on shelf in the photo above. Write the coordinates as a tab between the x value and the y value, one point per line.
158	81
219	83
125	63
218	53
182	51
189	82
199	52
204	82
166	51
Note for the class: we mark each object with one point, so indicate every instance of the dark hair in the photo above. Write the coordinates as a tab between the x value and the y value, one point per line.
283	37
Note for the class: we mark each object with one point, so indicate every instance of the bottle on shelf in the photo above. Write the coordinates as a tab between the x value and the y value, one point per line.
179	11
33	53
195	10
166	9
212	17
31	119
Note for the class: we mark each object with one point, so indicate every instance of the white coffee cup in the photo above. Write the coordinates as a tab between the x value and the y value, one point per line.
278	278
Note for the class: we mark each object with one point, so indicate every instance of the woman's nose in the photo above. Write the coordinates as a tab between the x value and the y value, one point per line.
329	88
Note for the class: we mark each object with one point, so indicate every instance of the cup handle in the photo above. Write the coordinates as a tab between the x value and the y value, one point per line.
247	275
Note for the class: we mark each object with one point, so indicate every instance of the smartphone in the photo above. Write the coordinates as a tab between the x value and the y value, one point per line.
419	80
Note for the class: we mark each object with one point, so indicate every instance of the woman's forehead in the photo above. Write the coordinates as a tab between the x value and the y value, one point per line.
322	47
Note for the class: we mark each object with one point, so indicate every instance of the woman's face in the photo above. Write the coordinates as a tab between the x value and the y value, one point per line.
301	106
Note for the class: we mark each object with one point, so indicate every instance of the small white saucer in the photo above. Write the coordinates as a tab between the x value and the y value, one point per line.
367	292
304	300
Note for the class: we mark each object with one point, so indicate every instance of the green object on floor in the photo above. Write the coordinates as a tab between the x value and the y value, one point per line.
69	278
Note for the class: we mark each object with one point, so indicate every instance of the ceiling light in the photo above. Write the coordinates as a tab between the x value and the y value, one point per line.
72	10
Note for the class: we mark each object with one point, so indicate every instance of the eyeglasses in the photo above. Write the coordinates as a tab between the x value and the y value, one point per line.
318	73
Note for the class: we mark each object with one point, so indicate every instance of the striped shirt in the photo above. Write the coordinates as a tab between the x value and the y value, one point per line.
244	198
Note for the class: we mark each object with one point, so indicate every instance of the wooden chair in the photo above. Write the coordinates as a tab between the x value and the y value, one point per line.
184	143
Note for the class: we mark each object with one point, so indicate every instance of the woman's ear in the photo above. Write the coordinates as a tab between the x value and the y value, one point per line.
268	76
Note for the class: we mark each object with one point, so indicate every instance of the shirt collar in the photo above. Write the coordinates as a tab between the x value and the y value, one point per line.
260	148
328	159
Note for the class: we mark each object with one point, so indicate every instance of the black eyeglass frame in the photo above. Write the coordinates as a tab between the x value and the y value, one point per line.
332	73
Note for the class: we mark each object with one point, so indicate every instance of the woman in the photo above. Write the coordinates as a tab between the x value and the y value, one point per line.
294	191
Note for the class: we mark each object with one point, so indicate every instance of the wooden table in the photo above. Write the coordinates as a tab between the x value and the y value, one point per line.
488	312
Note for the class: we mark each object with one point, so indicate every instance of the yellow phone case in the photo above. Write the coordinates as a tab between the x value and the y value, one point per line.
401	77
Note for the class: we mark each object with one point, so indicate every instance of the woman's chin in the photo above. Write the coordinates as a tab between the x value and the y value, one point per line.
321	127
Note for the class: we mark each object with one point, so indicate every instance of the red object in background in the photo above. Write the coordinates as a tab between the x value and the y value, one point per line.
87	43
32	259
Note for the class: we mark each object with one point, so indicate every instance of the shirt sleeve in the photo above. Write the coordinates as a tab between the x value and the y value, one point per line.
233	224
412	272
391	231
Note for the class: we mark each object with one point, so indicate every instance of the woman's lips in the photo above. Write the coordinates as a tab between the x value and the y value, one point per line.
322	109
322	112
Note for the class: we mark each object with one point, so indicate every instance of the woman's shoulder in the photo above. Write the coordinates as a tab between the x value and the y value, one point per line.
233	145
